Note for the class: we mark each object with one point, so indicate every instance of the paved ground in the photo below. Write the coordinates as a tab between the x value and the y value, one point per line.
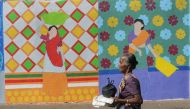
171	104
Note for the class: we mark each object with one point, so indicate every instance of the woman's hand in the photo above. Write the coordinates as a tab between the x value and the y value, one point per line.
116	99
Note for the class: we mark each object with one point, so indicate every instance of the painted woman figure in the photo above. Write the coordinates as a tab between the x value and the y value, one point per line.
54	60
129	88
139	38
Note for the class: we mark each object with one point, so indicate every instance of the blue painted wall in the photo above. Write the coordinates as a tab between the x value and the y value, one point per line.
154	85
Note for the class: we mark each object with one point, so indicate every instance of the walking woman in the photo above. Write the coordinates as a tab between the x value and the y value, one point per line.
129	88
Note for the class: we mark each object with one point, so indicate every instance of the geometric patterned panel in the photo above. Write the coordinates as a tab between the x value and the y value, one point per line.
21	26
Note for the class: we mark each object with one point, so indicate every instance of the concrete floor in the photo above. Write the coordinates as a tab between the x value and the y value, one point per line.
170	104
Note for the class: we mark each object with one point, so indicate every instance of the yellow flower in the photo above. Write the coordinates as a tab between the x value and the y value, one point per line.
135	5
180	60
181	4
180	33
113	50
158	20
158	49
112	22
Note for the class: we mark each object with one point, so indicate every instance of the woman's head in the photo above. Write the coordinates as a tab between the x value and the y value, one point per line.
53	30
139	24
127	63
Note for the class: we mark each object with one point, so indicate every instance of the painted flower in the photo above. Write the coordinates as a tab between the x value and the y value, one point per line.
105	63
167	58
186	19
113	50
151	34
165	5
144	18
135	5
100	49
173	49
181	4
158	20
150	61
186	50
112	22
104	35
128	20
150	5
100	21
180	60
180	33
165	34
120	35
120	5
125	49
116	62
158	49
173	20
104	6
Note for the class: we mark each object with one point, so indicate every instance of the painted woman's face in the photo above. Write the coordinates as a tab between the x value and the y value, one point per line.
52	33
138	26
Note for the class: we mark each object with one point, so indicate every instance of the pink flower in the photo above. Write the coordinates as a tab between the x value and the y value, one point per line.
128	20
105	63
104	6
173	49
149	60
125	49
173	20
150	5
151	34
104	36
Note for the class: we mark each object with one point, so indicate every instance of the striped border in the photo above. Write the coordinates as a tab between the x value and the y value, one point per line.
23	81
82	79
23	76
83	84
24	86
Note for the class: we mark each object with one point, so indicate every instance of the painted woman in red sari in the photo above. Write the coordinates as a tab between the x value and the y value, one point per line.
54	61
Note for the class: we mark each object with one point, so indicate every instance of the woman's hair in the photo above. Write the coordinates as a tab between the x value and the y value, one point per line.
52	27
131	60
141	21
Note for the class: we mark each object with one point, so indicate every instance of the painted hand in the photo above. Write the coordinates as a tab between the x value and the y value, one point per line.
140	52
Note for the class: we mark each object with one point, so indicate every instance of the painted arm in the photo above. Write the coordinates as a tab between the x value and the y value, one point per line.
135	48
152	51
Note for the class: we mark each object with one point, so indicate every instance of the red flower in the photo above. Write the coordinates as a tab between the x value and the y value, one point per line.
173	20
104	6
125	49
151	34
149	60
128	20
150	5
104	36
105	63
173	49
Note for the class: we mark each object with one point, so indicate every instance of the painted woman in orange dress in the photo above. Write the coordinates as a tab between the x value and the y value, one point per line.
139	38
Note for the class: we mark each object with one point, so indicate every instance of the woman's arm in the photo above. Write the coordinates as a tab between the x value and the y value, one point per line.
136	100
